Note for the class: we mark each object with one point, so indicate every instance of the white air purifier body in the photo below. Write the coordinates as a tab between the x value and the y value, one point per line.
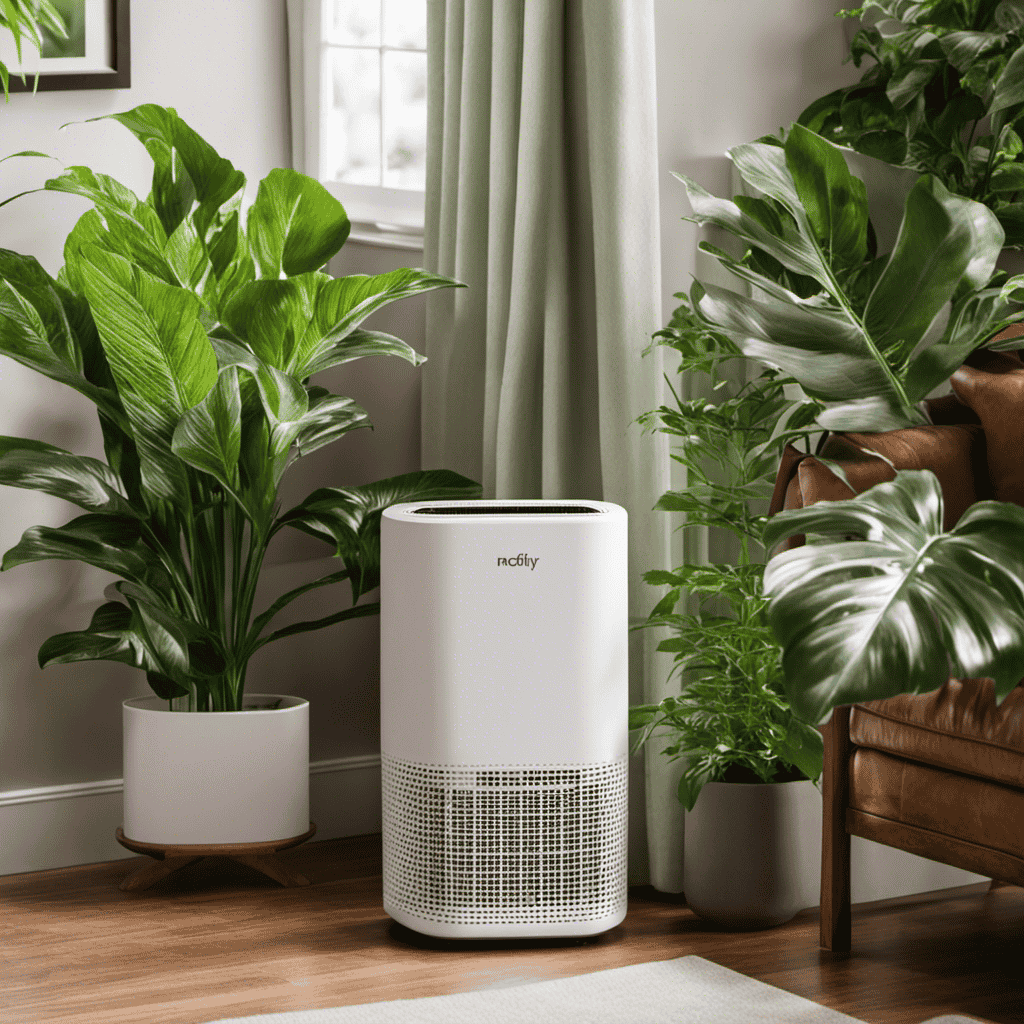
504	716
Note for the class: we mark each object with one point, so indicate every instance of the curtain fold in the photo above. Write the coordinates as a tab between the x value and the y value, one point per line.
542	197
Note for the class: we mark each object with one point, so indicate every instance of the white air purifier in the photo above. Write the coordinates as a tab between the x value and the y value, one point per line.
504	717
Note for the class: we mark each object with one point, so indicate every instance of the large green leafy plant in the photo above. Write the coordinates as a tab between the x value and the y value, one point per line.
859	332
857	329
732	722
196	331
901	606
944	95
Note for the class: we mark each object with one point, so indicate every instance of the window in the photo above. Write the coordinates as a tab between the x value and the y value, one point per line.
363	129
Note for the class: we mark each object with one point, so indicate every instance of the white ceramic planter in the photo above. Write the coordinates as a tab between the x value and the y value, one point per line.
216	777
752	853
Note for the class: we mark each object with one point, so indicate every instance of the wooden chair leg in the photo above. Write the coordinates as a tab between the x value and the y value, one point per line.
836	924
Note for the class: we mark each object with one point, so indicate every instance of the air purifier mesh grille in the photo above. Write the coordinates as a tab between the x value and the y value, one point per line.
505	844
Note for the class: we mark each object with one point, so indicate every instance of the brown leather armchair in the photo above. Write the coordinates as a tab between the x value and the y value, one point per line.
940	774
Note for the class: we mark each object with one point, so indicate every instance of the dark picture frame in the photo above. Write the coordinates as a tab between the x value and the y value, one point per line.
119	78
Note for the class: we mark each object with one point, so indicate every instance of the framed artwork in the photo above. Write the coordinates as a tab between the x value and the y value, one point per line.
95	55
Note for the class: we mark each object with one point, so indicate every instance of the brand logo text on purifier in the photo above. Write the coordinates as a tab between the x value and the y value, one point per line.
520	560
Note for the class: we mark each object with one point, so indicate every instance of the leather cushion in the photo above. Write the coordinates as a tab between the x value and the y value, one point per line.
955	453
957	727
992	384
978	811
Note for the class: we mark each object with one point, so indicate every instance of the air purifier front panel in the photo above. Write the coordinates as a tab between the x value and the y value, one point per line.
504	675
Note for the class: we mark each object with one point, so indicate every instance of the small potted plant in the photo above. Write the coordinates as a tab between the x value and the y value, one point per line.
851	327
748	756
197	333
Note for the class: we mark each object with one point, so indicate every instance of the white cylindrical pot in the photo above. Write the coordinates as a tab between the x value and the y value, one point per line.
752	853
218	776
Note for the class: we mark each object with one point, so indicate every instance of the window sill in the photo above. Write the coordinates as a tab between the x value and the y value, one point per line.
385	237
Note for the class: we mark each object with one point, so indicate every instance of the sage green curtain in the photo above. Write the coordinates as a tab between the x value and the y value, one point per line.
542	197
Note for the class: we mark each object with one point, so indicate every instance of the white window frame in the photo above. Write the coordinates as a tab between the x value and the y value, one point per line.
384	216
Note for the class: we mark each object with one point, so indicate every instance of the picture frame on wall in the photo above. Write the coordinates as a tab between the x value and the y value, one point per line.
96	54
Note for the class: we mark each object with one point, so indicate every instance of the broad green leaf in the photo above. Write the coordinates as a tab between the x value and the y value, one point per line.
943	239
792	250
272	316
345	302
186	255
110	196
224	245
209	435
286	402
1011	219
973	320
1009	15
792	337
259	473
965	47
899	609
886	145
85	482
1008	178
836	202
164	687
159	354
866	110
1009	87
348	518
329	418
36	330
110	637
822	112
119	235
358	344
109	542
804	747
184	165
765	167
909	80
295	226
166	634
962	108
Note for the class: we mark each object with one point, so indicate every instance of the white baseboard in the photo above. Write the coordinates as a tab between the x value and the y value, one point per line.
62	826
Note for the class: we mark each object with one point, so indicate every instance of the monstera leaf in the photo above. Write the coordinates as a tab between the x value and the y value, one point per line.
903	606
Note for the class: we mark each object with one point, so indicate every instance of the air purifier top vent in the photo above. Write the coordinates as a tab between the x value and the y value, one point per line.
503	510
507	510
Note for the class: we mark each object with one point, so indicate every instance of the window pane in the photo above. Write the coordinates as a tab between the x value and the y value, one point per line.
405	120
353	22
405	24
350	141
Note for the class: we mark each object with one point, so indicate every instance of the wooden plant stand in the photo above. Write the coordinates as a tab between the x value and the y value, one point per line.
170	858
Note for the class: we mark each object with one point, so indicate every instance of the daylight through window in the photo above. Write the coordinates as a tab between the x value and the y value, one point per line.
373	108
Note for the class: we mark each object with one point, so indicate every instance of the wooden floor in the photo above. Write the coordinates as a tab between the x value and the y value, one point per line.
220	940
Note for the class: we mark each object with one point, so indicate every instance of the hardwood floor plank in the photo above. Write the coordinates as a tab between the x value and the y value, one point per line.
219	939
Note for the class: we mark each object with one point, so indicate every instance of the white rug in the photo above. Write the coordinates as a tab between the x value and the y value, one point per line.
688	990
